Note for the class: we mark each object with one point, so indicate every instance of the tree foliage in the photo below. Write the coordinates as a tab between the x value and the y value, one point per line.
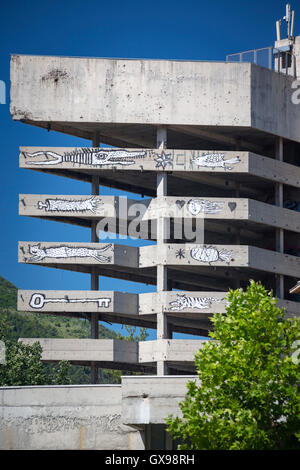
15	325
24	366
247	392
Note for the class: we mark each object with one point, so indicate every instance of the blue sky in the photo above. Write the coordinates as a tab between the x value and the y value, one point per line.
165	29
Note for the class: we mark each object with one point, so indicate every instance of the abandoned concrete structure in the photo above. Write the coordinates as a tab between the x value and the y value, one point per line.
213	148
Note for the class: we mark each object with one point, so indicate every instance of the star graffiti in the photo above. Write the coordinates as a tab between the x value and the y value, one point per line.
163	160
180	253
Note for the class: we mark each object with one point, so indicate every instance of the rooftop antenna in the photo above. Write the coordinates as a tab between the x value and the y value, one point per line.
289	19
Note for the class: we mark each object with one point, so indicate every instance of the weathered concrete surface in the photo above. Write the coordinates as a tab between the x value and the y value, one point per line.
190	162
196	304
169	350
86	350
88	90
152	399
77	301
117	352
65	418
129	91
82	256
66	209
242	256
54	253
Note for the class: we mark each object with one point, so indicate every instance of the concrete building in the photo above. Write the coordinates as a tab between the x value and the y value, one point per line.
213	146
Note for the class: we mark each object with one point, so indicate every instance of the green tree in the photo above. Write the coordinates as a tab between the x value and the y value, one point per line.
62	374
247	393
134	334
24	366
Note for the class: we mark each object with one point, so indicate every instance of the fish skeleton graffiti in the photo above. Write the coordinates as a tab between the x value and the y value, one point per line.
215	160
39	300
68	252
183	302
87	156
66	205
210	254
203	206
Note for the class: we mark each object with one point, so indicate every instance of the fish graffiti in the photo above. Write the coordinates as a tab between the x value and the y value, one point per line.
203	206
39	254
215	160
183	302
86	156
210	254
38	301
66	205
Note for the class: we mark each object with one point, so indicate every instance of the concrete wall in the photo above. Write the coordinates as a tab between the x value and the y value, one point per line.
129	91
150	400
85	90
65	417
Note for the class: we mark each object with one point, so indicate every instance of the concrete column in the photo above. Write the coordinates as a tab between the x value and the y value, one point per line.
279	231
163	332
237	237
94	276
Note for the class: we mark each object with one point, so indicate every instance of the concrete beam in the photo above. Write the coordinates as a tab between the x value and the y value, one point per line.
188	162
196	305
119	212
46	301
87	350
118	352
156	92
169	350
238	256
55	253
149	400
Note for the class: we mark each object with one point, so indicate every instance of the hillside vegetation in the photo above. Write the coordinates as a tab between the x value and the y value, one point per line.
33	325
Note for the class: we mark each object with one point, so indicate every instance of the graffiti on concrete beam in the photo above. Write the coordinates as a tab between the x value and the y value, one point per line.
215	160
180	253
86	156
203	206
67	205
38	301
210	254
163	160
39	254
183	302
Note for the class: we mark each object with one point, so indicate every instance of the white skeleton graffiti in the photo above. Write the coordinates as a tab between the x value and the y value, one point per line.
39	300
87	156
66	205
215	160
198	206
183	302
68	252
210	254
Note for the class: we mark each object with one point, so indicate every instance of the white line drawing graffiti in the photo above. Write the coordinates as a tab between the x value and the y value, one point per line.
87	156
197	206
163	160
67	205
215	160
180	253
210	254
68	252
39	300
183	302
